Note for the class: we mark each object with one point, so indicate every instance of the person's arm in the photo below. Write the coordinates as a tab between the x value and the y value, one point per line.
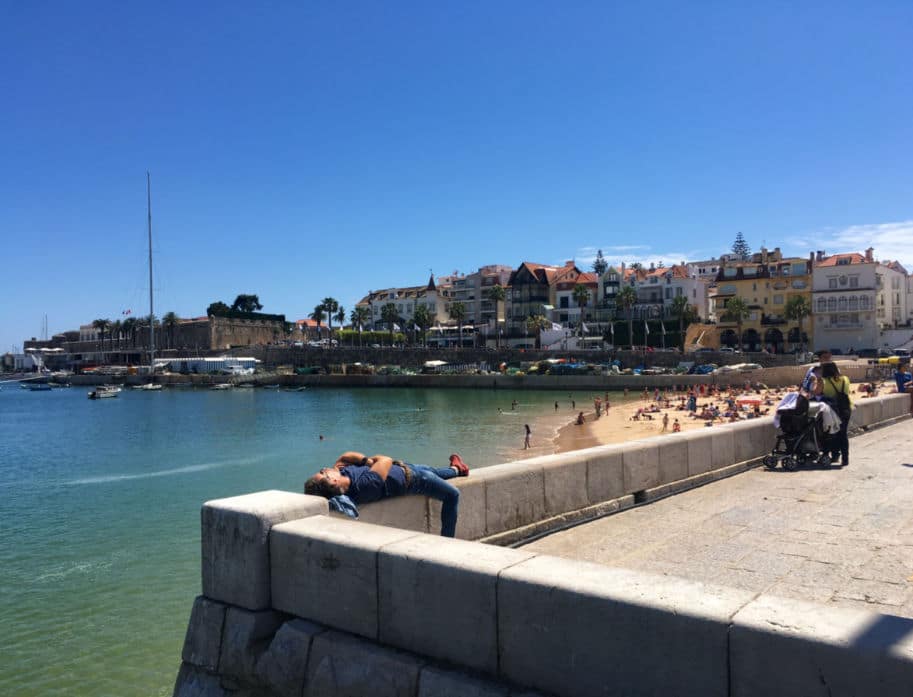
349	458
380	465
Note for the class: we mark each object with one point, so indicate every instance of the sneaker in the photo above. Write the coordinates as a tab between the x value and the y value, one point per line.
835	457
457	463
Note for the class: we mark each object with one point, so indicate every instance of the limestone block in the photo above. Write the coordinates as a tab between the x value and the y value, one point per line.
404	512
895	405
438	598
245	636
578	629
515	494
641	465
876	416
438	682
203	641
605	473
283	666
345	666
471	521
565	483
700	451
673	458
235	552
752	439
722	446
193	682
325	570
793	648
862	413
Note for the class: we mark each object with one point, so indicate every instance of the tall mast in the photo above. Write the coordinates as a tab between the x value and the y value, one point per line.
151	308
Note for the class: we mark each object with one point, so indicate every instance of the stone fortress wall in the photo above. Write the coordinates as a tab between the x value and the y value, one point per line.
299	602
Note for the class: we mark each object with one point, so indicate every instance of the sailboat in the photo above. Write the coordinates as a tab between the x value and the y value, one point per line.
150	386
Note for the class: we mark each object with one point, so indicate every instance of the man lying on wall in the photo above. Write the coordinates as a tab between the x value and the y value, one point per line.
365	479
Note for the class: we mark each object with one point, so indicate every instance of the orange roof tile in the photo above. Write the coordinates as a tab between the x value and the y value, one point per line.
854	258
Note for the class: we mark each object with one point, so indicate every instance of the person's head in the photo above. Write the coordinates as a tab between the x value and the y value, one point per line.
327	483
829	370
824	356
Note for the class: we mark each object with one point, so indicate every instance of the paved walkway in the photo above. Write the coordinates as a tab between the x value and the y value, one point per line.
836	536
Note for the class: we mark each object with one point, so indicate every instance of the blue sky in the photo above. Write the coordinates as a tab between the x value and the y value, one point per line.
300	150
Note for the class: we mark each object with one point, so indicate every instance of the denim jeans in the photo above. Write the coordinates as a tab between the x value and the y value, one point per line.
429	481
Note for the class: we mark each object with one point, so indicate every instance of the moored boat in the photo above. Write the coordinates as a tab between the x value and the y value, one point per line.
104	392
222	386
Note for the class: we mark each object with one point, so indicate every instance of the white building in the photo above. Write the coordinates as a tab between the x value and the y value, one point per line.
844	292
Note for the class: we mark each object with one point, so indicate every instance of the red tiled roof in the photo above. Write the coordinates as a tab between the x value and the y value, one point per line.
854	258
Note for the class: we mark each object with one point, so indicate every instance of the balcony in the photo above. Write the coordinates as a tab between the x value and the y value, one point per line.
772	320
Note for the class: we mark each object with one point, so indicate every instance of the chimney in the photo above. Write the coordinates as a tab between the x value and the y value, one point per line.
651	266
868	255
819	255
763	255
811	260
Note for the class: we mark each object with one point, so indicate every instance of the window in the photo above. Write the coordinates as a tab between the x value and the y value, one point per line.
854	281
832	283
841	304
678	291
668	293
778	300
844	261
864	302
853	303
563	302
822	305
832	304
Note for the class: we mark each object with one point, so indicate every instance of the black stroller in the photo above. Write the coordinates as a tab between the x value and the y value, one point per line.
801	439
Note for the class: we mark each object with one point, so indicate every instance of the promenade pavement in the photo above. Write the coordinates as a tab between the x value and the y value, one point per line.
838	536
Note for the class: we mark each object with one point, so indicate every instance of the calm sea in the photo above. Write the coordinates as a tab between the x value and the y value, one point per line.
100	501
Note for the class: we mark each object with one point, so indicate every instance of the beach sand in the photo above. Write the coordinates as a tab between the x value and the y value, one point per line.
617	426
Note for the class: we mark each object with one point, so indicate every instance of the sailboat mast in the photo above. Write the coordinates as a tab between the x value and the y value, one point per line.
151	308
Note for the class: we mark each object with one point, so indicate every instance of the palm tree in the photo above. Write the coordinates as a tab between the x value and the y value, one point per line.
360	316
797	309
536	323
318	316
389	315
101	325
423	318
680	308
737	311
497	294
458	312
581	295
331	307
129	329
170	323
116	328
627	299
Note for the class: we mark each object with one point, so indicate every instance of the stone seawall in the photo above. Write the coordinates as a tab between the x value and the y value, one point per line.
298	602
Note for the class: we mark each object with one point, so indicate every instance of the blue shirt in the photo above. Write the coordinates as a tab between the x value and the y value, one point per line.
367	486
902	378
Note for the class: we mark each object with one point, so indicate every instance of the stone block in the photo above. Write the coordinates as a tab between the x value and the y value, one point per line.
673	458
579	629
604	473
517	495
641	465
722	446
438	598
346	666
793	648
235	551
325	570
863	413
565	483
895	405
471	522
876	416
700	451
404	512
438	682
283	666
203	641
193	682
752	439
245	636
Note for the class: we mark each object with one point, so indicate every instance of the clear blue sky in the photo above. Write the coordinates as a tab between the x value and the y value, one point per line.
300	150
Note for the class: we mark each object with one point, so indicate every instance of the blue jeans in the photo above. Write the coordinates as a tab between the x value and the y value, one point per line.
429	481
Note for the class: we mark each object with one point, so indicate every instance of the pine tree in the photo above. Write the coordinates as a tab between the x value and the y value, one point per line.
740	247
600	264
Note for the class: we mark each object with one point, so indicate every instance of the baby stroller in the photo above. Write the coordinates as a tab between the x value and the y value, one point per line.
801	437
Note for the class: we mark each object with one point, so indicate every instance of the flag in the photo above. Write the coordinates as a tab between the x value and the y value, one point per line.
396	327
415	327
662	327
646	328
126	312
584	328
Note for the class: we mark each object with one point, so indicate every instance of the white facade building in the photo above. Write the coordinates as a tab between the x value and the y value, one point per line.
844	291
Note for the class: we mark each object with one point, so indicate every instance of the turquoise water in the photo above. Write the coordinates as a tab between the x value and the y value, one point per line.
100	501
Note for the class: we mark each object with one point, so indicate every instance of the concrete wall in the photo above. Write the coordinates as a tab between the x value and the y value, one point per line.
297	602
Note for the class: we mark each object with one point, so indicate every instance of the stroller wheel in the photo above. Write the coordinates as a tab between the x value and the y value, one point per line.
790	463
770	462
824	460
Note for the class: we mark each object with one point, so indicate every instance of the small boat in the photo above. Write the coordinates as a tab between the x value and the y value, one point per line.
222	386
104	392
39	387
294	389
148	387
270	387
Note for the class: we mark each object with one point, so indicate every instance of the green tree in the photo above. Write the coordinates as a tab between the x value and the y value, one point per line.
116	329
797	309
389	315
217	309
129	329
101	326
681	307
246	303
360	316
536	323
496	294
340	316
331	307
740	247
737	311
600	264
458	313
581	295
170	323
423	318
318	315
626	300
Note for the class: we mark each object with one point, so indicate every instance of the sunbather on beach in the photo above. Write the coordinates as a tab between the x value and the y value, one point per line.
366	479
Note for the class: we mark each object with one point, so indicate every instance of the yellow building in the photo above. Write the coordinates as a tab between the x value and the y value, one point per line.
765	283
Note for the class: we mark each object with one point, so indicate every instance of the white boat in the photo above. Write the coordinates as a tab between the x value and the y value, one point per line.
148	387
222	386
104	392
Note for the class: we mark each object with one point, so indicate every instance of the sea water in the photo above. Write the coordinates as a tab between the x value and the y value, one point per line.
100	504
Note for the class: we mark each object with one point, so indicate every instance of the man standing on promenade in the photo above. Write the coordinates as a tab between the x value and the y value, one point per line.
824	356
367	479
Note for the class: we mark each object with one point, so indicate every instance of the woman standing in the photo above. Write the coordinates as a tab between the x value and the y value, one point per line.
836	391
